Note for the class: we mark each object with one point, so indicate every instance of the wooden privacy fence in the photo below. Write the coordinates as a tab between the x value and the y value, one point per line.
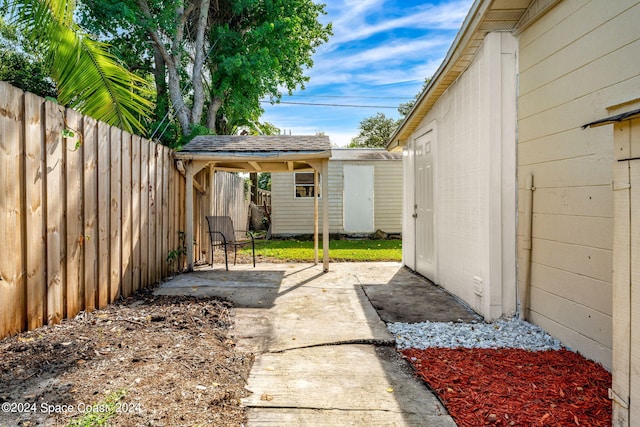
88	212
229	199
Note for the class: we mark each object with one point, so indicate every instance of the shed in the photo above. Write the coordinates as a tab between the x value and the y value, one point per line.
523	221
249	153
365	195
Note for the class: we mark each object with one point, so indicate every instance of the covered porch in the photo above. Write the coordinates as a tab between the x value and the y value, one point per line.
250	153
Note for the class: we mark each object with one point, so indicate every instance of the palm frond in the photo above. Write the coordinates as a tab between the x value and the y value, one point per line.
89	78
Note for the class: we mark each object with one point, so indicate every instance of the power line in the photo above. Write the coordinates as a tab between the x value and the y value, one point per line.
352	96
331	105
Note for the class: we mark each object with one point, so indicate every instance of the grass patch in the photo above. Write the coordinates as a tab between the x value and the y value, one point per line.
100	413
339	250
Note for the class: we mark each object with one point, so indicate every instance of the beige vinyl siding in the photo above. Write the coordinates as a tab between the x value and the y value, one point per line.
575	62
388	196
291	215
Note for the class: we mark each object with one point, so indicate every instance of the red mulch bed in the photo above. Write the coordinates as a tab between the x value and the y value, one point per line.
511	387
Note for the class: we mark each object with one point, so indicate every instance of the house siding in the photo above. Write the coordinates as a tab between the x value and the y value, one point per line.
291	216
388	196
575	62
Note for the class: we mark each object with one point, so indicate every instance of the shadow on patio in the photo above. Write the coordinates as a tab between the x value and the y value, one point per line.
323	355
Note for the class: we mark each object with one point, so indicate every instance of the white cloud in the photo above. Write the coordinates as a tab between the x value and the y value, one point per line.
352	24
399	61
378	50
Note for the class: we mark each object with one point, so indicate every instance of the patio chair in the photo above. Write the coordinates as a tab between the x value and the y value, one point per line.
222	233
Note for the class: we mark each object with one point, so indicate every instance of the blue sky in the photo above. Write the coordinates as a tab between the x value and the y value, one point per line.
379	55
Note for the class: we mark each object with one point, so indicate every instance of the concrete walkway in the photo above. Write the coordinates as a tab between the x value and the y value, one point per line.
323	355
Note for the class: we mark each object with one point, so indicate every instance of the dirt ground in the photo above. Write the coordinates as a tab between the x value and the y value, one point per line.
161	360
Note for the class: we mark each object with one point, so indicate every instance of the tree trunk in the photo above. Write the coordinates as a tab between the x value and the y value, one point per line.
253	177
160	78
214	107
198	63
181	110
172	62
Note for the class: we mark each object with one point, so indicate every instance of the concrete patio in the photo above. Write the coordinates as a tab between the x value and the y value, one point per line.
323	356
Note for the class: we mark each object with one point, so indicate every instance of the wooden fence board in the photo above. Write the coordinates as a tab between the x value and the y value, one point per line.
103	214
54	147
34	221
172	218
176	215
152	215
144	213
74	215
166	154
158	218
115	214
127	266
12	280
135	212
90	233
175	220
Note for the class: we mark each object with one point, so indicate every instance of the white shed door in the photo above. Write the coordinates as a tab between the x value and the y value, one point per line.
358	199
424	228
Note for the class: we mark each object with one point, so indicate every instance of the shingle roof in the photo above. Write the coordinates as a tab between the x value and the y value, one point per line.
257	143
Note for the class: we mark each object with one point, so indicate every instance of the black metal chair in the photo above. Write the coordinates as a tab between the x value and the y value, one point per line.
222	233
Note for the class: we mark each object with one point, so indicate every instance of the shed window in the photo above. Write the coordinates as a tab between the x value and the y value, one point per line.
304	184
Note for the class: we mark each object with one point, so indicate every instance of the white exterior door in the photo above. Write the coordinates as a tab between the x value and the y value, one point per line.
424	227
358	199
408	208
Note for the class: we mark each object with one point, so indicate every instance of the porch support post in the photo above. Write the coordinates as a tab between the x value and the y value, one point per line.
191	168
325	215
188	195
212	207
315	215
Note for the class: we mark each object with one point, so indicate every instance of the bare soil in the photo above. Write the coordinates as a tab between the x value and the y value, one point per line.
170	360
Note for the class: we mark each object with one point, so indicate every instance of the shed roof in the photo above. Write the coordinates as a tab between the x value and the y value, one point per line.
363	154
485	16
257	153
257	143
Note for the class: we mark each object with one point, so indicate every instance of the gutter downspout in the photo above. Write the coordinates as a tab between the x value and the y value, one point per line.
528	222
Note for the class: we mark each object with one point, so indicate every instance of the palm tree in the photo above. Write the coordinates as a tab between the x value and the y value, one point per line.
88	77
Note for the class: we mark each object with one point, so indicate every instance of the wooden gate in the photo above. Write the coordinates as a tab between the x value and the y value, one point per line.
625	390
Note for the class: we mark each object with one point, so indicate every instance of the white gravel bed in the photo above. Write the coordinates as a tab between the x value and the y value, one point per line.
503	333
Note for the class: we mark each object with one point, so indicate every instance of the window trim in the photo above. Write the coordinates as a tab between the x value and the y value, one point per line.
312	185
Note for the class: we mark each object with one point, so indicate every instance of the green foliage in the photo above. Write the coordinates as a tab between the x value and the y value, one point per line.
175	256
107	410
339	250
375	131
264	181
20	66
265	47
88	76
404	108
253	50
